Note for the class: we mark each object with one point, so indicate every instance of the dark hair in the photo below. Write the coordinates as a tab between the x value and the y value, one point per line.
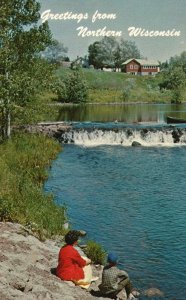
71	237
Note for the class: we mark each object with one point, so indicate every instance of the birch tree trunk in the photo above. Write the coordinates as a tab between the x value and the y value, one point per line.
5	130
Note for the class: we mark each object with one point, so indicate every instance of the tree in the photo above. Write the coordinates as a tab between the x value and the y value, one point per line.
102	54
95	55
109	48
175	61
117	57
128	49
21	68
111	53
73	89
56	52
178	61
174	79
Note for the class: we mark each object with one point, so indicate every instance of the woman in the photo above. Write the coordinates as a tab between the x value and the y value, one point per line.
71	266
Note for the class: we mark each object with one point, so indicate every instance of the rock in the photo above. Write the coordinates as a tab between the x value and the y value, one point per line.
129	132
25	268
82	233
152	292
51	129
122	295
135	144
66	225
144	131
176	135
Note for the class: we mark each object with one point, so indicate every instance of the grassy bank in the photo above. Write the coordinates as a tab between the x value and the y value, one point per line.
23	163
114	87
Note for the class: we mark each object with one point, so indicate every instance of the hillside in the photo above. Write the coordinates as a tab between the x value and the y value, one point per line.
114	87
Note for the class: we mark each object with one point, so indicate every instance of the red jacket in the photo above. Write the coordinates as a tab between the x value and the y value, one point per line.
70	264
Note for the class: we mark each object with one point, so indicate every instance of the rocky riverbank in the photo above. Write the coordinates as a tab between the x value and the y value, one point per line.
26	266
51	129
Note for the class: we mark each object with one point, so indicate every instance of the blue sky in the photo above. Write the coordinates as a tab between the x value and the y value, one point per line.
151	15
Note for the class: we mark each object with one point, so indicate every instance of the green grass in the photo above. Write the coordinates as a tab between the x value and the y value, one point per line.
117	87
95	252
100	79
23	169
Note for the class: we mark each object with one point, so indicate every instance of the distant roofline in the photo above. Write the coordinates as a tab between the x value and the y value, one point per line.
142	62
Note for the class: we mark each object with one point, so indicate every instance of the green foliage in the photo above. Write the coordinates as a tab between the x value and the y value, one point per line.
73	88
177	96
56	52
108	87
174	79
95	55
128	49
22	173
41	109
126	94
95	252
110	52
58	87
129	86
178	61
21	69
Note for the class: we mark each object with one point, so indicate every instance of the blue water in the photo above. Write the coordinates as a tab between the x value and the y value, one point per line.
133	202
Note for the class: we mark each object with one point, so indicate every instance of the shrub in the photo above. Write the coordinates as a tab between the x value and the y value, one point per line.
95	252
76	89
130	84
177	96
58	88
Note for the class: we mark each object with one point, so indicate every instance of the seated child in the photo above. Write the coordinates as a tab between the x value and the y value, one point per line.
114	280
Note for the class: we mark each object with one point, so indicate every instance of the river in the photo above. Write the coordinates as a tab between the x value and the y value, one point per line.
128	113
131	200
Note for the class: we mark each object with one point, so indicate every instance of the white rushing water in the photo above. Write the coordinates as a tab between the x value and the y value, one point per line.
148	138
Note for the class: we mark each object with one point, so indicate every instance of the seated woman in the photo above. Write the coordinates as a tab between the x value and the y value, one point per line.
71	266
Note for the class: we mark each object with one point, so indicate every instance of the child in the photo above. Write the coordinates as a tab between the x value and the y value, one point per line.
114	280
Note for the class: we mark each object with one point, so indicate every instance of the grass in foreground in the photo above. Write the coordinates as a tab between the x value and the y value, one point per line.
23	163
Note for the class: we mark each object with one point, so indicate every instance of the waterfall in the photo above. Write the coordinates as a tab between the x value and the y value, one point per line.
126	137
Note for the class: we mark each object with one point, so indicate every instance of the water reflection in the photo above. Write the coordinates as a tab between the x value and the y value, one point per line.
129	113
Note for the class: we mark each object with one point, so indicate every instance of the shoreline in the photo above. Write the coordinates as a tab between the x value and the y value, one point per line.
26	266
116	103
26	269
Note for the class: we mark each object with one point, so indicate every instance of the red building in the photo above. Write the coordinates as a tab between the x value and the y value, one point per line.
140	67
